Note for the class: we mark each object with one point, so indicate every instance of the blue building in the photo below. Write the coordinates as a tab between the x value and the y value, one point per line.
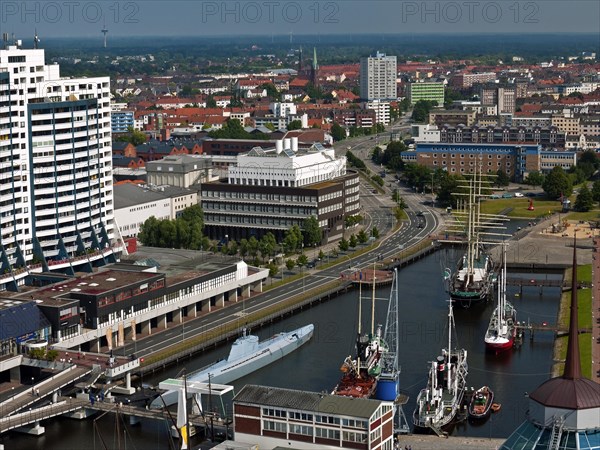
121	121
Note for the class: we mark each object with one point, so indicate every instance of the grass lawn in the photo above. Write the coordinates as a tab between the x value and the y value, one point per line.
590	215
585	354
584	297
584	273
519	207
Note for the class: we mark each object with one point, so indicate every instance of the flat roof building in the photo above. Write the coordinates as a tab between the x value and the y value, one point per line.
271	417
271	190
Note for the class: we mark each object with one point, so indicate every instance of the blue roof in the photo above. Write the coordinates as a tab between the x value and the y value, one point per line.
18	319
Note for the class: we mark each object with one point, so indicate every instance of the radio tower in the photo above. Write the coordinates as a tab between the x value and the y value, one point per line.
104	32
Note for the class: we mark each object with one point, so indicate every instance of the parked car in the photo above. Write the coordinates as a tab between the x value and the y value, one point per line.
518	194
494	196
507	195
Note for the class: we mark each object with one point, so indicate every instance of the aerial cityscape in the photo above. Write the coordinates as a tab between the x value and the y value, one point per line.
303	225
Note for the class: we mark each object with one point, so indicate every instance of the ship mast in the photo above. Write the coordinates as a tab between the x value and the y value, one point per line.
373	304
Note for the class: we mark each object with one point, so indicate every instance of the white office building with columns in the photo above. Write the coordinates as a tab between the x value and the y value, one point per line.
56	195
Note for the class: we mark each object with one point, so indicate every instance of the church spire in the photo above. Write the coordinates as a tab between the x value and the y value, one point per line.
573	361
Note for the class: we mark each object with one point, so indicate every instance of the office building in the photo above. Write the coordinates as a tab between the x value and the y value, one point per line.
271	190
56	189
429	90
378	77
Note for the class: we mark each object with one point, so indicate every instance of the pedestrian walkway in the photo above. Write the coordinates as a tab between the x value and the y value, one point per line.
40	390
596	311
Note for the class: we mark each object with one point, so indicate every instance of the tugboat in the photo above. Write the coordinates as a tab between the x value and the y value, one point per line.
481	403
502	329
440	401
361	373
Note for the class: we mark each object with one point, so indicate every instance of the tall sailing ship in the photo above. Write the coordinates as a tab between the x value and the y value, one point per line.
501	331
439	402
473	279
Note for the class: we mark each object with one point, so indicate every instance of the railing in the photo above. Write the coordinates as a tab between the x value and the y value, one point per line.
38	414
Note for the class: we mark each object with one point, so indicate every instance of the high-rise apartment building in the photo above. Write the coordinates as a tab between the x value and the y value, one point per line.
378	77
56	195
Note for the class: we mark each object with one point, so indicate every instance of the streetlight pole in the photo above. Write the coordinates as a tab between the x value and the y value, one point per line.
182	324
432	196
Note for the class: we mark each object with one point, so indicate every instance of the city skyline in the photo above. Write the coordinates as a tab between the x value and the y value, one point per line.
210	18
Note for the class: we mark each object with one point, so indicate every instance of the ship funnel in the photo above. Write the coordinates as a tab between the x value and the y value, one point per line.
295	144
278	146
287	143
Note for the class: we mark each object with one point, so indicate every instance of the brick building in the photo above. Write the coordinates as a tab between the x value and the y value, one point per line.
272	417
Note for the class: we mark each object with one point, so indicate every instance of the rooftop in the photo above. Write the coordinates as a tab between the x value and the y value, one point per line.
307	401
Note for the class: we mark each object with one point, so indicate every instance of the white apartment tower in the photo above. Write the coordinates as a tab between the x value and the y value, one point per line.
378	77
56	194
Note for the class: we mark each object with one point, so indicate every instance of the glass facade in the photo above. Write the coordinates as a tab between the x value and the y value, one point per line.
531	437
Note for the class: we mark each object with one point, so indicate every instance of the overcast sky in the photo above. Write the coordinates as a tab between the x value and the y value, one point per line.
265	17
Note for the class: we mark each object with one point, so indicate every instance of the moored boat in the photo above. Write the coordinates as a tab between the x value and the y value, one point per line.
502	329
247	355
361	372
439	402
481	403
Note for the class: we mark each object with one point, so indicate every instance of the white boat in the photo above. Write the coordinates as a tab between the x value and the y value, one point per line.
439	402
502	330
247	354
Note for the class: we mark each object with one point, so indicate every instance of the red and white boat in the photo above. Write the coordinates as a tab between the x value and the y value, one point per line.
502	329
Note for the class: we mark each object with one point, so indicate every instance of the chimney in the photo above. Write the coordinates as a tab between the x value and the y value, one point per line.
287	144
278	146
295	144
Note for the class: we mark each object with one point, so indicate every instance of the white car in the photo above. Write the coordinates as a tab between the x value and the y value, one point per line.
518	194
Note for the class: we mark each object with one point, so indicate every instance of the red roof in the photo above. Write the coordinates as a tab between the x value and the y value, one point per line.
298	82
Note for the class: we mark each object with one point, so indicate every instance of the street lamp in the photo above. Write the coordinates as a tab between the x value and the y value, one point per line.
182	324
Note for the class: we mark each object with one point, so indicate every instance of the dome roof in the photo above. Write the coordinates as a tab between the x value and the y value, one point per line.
560	392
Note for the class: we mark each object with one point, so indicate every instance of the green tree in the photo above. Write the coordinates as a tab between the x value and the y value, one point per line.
290	264
584	201
267	245
272	91
362	237
302	260
502	178
596	191
344	245
353	241
149	232
535	178
211	102
134	137
321	255
294	125
375	232
337	132
588	162
273	269
421	110
253	246
377	179
557	183
312	231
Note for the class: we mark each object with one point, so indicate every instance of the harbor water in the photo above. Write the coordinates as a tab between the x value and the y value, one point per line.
315	366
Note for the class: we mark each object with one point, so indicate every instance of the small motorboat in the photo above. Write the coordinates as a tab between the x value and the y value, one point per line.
481	403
